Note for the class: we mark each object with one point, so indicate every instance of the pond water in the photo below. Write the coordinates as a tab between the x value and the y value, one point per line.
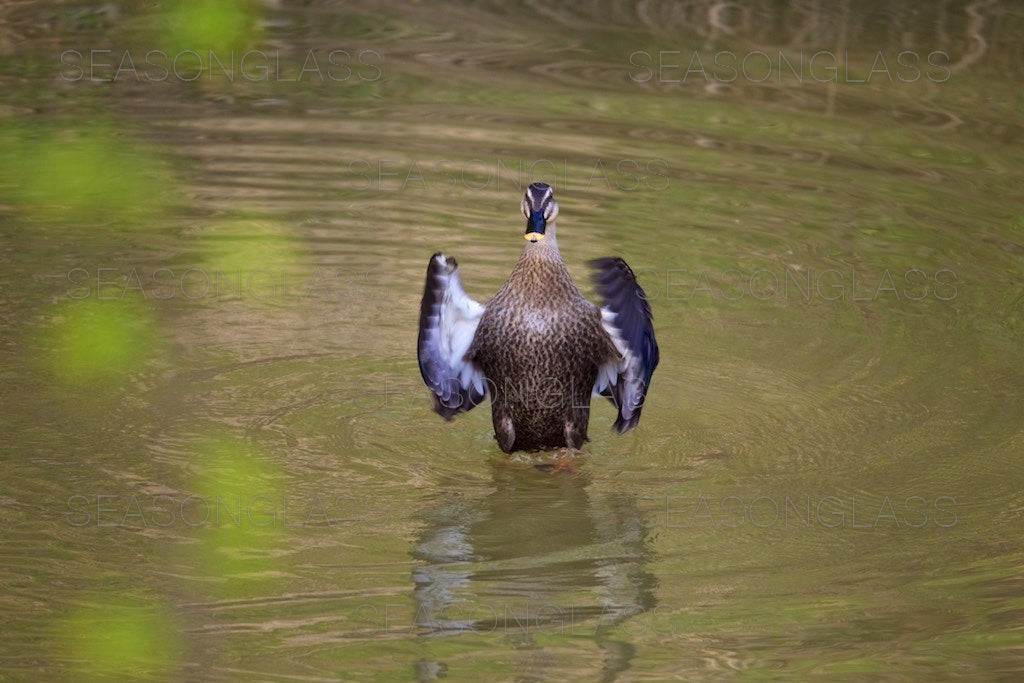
219	460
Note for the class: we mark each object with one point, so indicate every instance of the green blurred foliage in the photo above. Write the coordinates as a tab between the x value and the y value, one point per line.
82	174
241	494
254	257
122	638
242	244
205	26
98	342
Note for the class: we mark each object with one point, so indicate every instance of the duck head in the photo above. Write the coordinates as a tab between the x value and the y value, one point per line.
540	208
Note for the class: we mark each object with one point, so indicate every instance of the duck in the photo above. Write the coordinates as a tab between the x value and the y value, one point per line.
539	349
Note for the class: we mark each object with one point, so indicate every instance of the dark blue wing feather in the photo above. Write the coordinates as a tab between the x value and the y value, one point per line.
627	318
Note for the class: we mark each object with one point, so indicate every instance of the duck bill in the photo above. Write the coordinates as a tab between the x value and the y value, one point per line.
535	226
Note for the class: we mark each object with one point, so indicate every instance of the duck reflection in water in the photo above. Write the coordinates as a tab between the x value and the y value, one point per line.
540	553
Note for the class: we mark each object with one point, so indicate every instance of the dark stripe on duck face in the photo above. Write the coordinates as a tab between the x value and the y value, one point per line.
537	195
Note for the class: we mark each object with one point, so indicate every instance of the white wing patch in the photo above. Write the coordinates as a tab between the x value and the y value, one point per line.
608	373
459	317
623	374
448	322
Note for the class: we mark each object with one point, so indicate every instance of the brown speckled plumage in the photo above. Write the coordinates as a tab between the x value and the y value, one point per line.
540	343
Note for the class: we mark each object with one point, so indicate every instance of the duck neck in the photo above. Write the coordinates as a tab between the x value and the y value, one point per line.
541	269
546	250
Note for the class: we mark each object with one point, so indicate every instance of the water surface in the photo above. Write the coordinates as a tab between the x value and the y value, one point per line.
220	462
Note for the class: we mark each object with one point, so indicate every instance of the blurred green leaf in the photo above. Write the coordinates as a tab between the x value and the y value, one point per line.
237	514
82	174
123	638
98	341
210	25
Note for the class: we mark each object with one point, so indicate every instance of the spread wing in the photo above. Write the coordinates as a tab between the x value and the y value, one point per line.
626	316
448	321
